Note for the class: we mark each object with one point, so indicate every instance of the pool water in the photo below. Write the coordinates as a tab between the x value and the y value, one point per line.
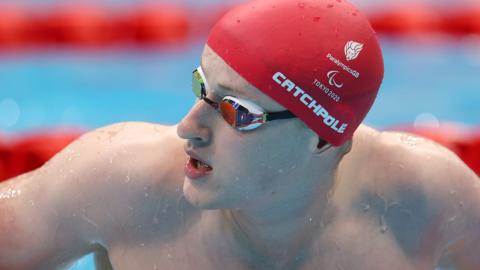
93	88
434	80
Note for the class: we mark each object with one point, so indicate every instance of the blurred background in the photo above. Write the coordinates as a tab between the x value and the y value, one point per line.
67	67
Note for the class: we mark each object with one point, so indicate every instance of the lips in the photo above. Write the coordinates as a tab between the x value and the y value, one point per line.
196	168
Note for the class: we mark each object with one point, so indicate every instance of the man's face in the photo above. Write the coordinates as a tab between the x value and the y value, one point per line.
249	168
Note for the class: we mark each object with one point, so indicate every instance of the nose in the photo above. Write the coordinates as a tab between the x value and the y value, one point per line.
196	126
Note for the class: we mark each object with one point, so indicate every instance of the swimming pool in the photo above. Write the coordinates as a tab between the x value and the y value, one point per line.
92	89
424	79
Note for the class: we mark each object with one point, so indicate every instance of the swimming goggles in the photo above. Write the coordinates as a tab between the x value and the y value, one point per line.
241	114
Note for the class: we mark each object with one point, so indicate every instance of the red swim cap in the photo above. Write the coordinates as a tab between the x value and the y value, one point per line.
318	58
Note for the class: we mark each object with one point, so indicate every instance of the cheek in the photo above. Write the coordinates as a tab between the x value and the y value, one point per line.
253	166
243	166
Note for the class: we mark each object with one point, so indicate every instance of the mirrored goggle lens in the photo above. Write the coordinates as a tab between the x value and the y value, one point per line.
229	112
236	115
198	86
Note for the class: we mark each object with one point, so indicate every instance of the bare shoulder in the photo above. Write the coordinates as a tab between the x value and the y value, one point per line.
403	158
416	159
100	189
117	178
394	161
132	162
415	190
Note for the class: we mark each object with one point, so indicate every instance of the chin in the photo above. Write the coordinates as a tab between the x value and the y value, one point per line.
201	198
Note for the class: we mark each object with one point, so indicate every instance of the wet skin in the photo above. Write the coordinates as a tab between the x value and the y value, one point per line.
393	201
399	203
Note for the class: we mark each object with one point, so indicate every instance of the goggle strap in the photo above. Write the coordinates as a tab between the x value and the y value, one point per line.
279	115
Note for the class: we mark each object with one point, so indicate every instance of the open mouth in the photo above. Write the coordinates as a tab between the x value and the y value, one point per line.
196	169
200	165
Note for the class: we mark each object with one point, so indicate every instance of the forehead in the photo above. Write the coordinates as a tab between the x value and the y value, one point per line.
223	80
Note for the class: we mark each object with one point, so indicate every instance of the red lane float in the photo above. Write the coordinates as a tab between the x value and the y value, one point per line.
14	25
72	24
93	25
407	20
3	159
31	152
88	25
463	23
157	24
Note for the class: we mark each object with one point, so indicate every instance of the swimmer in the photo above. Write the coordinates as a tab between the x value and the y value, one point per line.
270	169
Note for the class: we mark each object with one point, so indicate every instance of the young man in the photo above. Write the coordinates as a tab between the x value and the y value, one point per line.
270	169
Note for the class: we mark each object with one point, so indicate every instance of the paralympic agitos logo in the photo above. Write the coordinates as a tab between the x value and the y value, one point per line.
331	79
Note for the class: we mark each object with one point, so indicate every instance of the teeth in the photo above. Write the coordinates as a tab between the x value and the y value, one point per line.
203	164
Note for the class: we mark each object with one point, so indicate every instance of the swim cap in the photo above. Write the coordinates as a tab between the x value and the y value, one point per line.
318	58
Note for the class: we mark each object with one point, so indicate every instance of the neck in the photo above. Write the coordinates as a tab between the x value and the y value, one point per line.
282	228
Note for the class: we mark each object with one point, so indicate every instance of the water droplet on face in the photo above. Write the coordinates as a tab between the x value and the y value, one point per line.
142	244
410	140
366	208
10	193
383	225
169	256
310	219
